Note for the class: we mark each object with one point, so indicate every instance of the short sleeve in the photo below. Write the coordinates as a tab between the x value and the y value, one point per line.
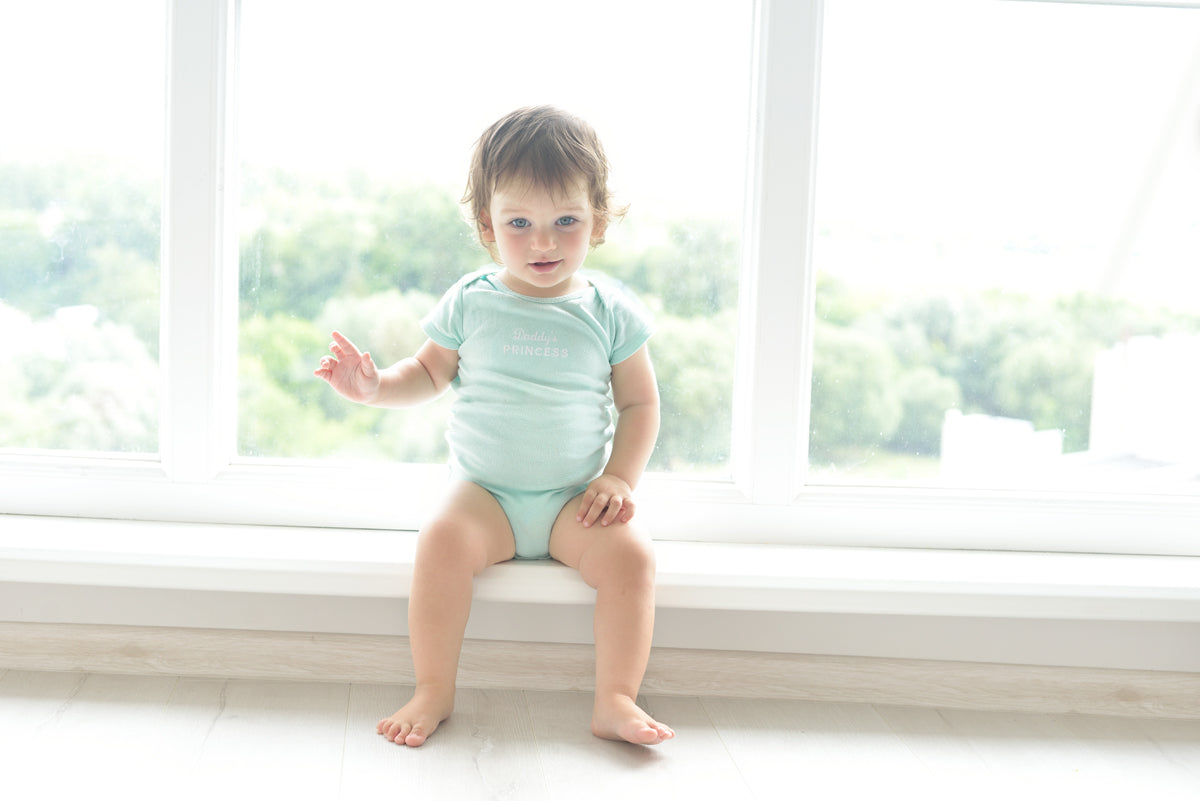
632	325
444	324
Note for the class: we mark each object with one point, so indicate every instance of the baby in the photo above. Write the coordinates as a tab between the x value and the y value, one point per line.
538	355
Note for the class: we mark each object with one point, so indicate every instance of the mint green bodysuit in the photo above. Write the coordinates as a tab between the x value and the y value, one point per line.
532	420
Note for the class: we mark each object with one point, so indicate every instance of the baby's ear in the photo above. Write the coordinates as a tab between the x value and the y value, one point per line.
598	229
486	232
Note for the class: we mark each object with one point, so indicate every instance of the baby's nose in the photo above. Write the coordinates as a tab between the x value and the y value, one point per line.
542	240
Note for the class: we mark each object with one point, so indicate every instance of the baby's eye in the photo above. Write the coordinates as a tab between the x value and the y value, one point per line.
520	222
564	221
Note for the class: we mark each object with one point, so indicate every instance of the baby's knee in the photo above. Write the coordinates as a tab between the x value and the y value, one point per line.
629	553
447	541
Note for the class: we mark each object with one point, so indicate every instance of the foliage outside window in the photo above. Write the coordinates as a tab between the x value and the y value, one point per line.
80	211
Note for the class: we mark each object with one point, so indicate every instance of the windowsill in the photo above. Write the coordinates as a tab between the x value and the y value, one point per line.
378	564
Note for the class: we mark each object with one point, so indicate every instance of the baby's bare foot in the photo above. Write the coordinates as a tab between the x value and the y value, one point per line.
418	719
619	718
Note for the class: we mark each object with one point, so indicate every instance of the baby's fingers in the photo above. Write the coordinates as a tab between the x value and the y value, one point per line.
368	366
325	370
343	348
590	508
612	510
603	509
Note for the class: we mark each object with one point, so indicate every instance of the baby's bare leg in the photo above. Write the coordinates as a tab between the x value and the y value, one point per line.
468	534
618	562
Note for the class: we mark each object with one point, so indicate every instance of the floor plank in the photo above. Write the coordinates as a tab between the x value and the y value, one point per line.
696	760
817	750
30	705
78	735
484	750
91	734
266	739
30	700
1177	743
954	767
1069	756
581	766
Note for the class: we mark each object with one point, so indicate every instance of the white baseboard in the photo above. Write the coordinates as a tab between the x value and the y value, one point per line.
379	659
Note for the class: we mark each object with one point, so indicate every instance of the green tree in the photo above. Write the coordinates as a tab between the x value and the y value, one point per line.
1050	384
855	403
422	241
925	396
693	359
691	267
83	383
839	304
81	232
319	239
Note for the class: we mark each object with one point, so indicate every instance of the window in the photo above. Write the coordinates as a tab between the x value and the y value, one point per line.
233	194
352	166
80	183
1006	235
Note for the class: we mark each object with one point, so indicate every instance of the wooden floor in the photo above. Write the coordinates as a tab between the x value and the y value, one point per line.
65	735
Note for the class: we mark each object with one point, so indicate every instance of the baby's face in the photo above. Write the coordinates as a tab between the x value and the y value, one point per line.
542	236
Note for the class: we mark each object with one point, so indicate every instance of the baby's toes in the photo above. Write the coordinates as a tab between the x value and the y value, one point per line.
414	736
390	729
401	734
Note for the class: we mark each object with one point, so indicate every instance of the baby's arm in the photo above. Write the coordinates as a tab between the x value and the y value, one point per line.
635	394
408	382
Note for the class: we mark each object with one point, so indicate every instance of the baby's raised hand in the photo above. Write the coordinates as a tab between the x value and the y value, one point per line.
607	499
350	372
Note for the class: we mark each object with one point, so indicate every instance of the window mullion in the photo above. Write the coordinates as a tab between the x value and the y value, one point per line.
197	308
776	316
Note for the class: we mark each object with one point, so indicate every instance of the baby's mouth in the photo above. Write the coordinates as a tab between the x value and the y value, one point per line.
544	266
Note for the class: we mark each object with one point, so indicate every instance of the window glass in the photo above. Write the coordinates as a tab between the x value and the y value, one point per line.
1007	236
356	124
81	152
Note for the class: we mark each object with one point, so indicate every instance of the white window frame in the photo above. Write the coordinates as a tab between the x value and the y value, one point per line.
199	478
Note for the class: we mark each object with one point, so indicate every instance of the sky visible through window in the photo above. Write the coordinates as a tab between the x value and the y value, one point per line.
1049	139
